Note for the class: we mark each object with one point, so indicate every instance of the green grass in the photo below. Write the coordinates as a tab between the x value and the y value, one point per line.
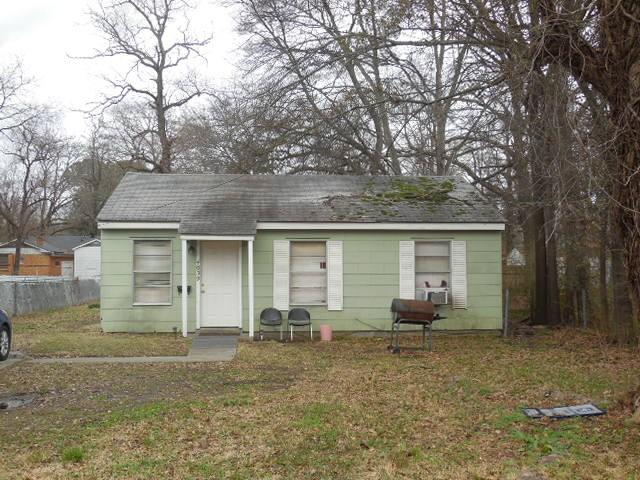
347	410
542	441
137	414
73	455
315	416
75	332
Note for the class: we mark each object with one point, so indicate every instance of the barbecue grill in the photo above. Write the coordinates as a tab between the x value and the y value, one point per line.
412	312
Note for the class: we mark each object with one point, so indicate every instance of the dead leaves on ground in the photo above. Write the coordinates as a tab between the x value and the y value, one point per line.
345	409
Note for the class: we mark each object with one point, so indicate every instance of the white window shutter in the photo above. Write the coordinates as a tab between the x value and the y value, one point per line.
407	269
281	274
459	273
334	275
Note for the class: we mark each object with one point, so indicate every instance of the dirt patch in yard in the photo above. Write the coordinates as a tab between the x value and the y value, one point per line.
16	401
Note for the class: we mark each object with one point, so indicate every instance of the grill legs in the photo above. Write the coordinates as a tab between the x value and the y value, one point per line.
394	346
429	327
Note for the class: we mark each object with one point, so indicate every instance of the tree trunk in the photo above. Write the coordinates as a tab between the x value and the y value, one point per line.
628	215
626	121
16	258
538	150
440	140
553	287
622	312
540	293
165	144
602	267
611	64
577	271
570	281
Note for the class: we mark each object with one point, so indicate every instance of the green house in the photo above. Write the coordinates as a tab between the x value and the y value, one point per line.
182	252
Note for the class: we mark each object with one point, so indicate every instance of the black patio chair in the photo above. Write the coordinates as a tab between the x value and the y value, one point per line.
270	317
299	317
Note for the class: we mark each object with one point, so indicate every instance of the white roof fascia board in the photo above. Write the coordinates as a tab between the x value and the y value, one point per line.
138	226
217	237
87	243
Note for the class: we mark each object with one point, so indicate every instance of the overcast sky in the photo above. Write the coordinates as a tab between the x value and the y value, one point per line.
44	33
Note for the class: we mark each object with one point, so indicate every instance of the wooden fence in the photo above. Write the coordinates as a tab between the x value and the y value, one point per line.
514	279
36	265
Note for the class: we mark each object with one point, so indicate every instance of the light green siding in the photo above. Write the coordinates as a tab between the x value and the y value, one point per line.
371	280
116	286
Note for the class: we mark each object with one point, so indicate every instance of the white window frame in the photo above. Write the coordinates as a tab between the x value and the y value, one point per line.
450	273
326	276
133	272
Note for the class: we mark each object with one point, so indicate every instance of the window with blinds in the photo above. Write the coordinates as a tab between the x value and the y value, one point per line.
432	264
152	272
308	273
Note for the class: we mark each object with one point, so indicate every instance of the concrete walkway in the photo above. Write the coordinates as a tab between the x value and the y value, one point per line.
12	360
204	348
213	348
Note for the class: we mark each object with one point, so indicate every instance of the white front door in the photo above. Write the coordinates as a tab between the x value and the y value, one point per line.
220	284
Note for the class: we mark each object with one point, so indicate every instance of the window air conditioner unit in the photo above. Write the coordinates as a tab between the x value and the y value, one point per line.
439	296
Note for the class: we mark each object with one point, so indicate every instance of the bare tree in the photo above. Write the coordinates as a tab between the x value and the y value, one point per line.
93	178
441	87
34	184
13	110
331	57
254	129
154	37
432	57
130	128
599	43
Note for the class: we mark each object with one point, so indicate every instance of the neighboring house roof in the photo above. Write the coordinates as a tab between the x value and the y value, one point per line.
89	243
233	204
54	244
10	246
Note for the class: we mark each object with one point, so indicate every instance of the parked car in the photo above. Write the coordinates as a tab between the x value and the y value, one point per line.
5	335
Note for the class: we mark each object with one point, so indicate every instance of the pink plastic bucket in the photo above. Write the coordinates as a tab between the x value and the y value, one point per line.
326	333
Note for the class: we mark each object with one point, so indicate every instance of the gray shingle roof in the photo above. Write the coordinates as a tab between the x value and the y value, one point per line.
54	243
64	243
213	204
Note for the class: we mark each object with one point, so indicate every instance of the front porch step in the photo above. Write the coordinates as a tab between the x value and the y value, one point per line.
210	331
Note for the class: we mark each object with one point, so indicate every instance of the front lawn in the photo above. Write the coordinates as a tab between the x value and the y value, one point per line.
347	410
75	332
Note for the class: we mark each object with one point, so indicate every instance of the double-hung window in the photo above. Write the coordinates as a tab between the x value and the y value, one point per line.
434	268
152	272
308	273
432	264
